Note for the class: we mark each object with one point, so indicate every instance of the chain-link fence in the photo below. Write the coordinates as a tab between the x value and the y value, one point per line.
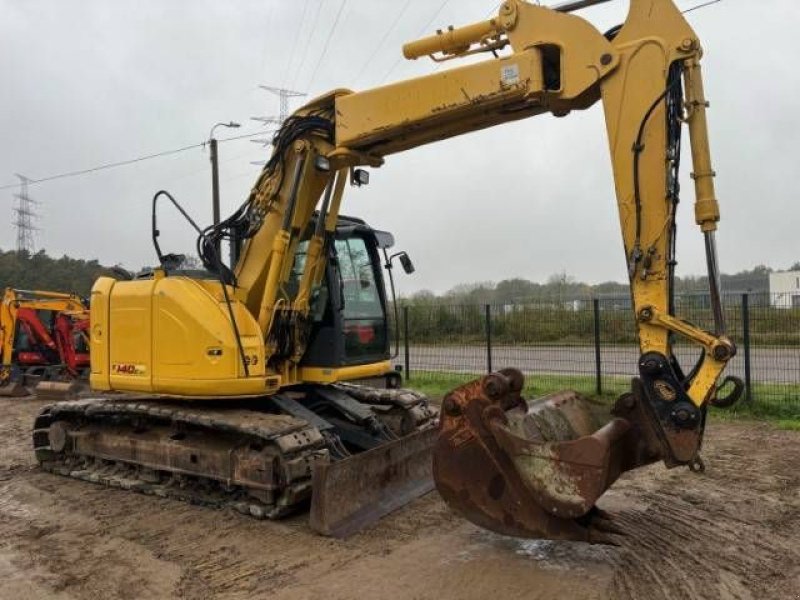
590	345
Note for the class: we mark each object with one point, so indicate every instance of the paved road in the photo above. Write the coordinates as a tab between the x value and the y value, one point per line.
768	365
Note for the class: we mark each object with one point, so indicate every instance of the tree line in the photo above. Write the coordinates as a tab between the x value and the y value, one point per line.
41	272
562	287
65	274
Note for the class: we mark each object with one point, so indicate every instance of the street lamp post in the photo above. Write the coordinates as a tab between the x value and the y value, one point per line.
212	142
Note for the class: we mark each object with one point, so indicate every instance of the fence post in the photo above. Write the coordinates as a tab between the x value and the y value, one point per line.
406	343
488	310
746	338
597	364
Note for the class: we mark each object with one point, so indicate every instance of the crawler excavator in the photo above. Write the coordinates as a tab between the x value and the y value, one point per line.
43	343
244	387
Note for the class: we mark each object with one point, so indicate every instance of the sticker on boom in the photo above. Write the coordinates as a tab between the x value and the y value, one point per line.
509	74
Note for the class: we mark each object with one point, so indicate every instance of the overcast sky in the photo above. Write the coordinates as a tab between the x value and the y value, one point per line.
89	82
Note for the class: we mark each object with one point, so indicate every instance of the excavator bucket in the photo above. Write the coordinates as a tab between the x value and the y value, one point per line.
350	494
530	469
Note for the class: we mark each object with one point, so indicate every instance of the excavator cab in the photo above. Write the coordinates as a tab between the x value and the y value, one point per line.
350	308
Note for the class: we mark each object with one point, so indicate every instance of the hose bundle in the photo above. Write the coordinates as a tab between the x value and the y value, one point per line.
248	218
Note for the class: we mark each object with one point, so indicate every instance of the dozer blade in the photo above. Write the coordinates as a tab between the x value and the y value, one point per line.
354	492
59	390
529	470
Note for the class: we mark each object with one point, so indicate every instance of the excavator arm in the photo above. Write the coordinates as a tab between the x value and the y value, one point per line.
490	462
538	470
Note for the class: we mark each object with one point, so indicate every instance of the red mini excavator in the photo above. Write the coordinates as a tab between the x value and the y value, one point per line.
43	343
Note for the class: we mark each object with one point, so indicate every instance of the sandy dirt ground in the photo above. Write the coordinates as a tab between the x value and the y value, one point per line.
731	533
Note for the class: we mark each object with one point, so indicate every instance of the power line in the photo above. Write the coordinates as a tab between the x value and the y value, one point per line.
494	10
294	43
266	38
131	161
241	137
374	53
327	41
422	32
703	5
203	169
433	18
308	45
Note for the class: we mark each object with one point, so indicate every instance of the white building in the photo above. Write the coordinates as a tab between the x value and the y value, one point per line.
784	289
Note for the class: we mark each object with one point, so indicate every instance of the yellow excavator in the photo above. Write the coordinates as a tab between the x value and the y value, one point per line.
254	385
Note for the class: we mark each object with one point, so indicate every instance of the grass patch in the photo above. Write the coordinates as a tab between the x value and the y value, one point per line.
777	404
788	425
437	384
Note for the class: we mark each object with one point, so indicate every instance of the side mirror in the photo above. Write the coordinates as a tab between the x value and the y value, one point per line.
405	260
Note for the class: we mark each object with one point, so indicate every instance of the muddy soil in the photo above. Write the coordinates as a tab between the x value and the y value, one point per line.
731	533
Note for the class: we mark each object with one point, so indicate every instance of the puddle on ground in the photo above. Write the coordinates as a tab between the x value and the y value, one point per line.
547	554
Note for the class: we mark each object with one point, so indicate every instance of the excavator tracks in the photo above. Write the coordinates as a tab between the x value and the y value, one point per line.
253	457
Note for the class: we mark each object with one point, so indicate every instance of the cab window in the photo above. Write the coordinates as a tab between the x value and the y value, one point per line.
361	297
364	319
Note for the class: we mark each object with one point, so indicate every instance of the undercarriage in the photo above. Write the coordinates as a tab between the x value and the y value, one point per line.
263	456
